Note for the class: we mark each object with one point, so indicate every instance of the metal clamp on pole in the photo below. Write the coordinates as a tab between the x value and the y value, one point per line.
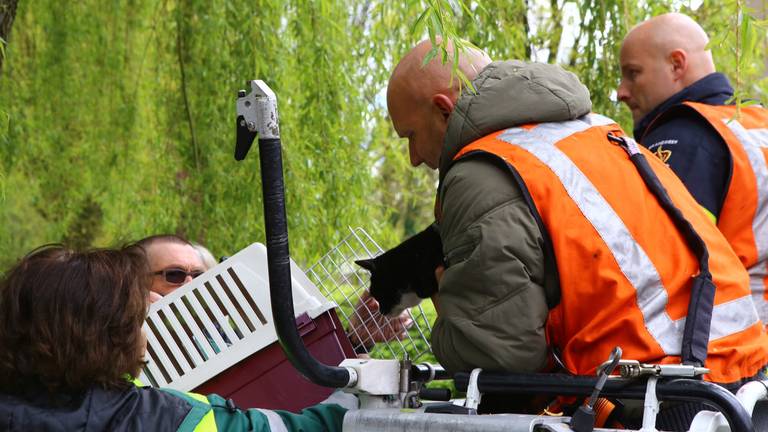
650	406
256	115
635	369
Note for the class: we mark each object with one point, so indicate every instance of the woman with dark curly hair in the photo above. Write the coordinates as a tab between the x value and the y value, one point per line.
71	341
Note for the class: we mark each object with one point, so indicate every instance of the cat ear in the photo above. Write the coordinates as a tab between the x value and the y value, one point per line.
367	264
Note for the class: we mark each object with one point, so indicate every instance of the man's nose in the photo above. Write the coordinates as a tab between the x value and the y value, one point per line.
188	279
622	93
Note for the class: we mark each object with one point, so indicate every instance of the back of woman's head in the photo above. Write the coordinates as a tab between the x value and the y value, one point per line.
72	320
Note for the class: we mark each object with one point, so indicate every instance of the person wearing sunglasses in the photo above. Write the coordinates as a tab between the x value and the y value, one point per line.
173	261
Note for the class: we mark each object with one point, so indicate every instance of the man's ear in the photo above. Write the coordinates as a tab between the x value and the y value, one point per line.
367	264
678	59
444	104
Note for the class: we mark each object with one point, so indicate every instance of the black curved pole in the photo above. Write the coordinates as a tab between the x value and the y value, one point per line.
278	263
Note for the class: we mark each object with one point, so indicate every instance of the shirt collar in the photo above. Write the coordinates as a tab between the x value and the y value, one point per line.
713	89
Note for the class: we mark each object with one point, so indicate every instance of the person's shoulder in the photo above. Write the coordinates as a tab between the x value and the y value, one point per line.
682	127
480	182
480	169
170	402
677	123
679	115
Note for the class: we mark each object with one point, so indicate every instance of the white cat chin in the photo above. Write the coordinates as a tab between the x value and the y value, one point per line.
407	301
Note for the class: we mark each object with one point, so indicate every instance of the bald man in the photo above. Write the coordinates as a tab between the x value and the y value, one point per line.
664	63
426	109
679	106
552	240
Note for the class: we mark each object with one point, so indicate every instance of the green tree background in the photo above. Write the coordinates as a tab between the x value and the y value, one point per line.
117	117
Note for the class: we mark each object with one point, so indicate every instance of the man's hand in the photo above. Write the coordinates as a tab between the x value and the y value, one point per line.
367	326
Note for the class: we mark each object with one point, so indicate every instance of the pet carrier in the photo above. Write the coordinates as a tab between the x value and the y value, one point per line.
216	334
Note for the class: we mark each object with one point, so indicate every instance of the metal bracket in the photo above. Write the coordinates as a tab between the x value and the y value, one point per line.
650	406
473	392
373	377
258	110
409	391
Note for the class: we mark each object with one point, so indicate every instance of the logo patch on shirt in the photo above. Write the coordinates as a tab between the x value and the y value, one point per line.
659	150
662	154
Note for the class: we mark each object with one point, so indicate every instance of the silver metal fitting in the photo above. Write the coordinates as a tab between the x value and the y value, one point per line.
473	392
259	109
635	369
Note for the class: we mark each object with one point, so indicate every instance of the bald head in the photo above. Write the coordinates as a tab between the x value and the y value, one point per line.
660	57
423	80
664	34
421	97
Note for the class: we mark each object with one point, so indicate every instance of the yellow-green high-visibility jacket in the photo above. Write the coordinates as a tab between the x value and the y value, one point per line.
214	413
151	409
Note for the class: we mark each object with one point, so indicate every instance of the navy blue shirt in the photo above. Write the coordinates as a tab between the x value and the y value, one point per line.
685	141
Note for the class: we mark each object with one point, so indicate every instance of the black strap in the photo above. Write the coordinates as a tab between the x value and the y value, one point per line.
699	318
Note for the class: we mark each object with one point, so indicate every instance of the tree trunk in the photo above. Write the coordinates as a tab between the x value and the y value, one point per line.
7	13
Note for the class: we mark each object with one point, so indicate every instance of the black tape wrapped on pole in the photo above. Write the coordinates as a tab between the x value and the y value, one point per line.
699	318
279	266
258	116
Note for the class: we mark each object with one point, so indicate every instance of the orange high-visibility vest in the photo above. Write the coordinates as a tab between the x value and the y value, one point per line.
744	215
625	271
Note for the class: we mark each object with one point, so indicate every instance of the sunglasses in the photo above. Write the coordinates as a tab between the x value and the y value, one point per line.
176	275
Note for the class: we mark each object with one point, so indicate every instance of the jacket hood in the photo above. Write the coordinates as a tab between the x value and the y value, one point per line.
511	93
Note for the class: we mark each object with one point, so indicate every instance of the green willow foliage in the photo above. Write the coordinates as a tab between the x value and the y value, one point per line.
117	118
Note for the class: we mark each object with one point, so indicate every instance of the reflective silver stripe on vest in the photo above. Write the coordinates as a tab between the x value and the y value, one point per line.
652	299
753	141
276	423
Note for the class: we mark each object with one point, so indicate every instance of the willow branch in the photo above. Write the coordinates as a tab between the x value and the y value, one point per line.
187	108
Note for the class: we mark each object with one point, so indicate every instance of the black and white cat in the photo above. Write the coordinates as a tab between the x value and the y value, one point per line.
404	275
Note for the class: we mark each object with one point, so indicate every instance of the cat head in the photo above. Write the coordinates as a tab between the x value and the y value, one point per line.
386	287
404	275
397	288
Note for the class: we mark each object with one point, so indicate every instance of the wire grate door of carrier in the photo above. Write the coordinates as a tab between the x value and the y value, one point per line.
345	283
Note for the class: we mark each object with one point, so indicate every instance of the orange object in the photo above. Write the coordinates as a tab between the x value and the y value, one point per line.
625	271
744	216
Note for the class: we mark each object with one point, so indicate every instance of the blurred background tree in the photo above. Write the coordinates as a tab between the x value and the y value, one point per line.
117	117
7	14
